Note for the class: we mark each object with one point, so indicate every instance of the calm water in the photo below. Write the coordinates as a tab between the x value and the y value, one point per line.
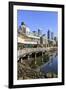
42	66
51	65
46	64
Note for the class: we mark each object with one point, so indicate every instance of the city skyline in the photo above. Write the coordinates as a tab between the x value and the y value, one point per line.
43	20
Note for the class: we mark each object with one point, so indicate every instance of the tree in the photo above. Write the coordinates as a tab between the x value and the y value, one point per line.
22	23
34	32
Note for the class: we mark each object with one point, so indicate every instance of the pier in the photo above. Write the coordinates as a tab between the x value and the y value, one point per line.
30	51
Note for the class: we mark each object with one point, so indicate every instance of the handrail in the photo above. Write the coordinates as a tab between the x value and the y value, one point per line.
31	50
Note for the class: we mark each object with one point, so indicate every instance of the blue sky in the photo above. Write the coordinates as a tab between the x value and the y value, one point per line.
43	20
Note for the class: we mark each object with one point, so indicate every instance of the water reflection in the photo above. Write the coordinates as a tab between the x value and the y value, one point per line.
51	65
39	66
46	64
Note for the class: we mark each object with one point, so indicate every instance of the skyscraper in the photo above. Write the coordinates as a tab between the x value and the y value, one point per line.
39	32
52	35
48	34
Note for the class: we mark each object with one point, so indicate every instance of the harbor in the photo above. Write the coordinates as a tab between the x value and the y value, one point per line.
37	55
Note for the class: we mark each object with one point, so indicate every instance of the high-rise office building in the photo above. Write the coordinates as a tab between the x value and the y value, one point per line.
52	35
39	32
48	34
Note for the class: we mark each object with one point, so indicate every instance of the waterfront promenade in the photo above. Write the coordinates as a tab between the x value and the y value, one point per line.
29	51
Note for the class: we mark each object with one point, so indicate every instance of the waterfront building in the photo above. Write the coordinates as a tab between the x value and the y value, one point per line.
44	40
24	29
28	39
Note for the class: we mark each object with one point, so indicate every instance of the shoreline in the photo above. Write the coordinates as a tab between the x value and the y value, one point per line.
26	72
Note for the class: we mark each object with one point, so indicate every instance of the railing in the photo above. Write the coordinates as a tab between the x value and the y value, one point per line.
31	50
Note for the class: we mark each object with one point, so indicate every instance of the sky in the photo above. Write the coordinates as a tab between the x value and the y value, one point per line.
42	20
